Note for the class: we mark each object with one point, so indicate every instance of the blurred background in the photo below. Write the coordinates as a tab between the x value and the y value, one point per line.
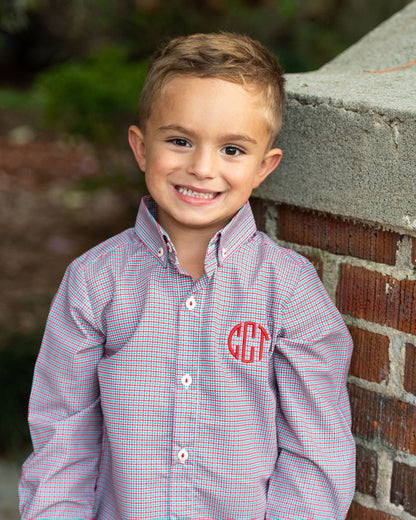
70	78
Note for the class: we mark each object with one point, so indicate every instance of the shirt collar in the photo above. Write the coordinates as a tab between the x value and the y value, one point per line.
240	228
222	245
150	231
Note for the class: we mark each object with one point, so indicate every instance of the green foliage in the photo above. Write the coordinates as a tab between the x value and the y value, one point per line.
288	8
20	100
94	98
12	16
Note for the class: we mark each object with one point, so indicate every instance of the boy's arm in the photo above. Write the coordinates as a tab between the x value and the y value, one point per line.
59	478
314	475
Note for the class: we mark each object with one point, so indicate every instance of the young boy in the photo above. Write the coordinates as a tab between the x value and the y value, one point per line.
191	368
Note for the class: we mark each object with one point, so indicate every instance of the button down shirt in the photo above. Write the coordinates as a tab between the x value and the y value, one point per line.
158	397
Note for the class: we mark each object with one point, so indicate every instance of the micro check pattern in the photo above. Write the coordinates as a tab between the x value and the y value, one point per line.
158	397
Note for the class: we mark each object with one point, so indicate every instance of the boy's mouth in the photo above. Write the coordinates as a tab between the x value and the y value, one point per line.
208	195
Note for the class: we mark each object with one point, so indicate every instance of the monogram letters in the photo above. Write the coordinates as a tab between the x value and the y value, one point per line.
249	330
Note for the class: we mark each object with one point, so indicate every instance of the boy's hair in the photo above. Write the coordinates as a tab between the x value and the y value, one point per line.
228	56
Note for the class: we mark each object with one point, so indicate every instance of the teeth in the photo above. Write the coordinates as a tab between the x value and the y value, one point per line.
196	194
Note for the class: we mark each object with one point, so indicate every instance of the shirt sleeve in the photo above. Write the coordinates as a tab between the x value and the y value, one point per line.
59	478
314	476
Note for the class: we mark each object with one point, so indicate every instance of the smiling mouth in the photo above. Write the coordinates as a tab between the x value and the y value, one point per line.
209	195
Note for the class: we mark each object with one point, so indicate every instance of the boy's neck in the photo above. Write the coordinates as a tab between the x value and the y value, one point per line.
191	246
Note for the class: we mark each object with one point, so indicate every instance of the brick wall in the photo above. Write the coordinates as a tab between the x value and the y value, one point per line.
370	273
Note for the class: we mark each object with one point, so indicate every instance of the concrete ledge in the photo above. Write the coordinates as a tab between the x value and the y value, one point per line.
349	135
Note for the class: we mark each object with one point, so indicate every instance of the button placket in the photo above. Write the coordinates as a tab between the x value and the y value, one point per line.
186	393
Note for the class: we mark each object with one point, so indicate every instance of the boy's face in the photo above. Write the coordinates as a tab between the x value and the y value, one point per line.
203	151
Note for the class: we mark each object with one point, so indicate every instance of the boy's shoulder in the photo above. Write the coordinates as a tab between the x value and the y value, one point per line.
265	262
111	252
277	254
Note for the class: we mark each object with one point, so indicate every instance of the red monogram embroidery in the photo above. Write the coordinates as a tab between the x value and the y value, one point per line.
236	348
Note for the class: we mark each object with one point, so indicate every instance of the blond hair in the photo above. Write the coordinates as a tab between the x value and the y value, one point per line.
228	56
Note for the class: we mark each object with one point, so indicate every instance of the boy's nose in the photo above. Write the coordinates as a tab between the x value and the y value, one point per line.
203	163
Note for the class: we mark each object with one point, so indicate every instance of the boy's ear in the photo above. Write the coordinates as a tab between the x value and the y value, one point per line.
268	164
136	141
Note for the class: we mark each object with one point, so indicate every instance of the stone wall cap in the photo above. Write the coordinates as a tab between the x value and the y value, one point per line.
392	93
349	135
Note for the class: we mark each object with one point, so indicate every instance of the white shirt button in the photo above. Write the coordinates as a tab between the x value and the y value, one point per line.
186	380
183	455
190	303
160	252
224	252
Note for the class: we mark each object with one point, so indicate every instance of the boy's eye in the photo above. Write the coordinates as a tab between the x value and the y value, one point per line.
232	150
179	142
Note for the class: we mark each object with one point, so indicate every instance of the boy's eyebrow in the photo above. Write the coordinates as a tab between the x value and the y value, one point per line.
227	137
176	128
238	137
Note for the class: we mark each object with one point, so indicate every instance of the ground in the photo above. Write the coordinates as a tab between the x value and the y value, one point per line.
9	476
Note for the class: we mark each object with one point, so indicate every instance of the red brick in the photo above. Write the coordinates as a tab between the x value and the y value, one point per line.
367	469
258	207
410	369
359	512
403	487
370	358
378	298
378	417
336	235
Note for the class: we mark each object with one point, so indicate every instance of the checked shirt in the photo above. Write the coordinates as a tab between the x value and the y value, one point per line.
157	397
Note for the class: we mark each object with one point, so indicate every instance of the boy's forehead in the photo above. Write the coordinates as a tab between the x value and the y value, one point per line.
177	90
171	83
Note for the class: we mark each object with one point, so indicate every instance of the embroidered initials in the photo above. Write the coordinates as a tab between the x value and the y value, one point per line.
236	348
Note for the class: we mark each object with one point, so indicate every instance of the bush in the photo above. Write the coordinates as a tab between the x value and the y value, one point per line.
12	99
94	98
